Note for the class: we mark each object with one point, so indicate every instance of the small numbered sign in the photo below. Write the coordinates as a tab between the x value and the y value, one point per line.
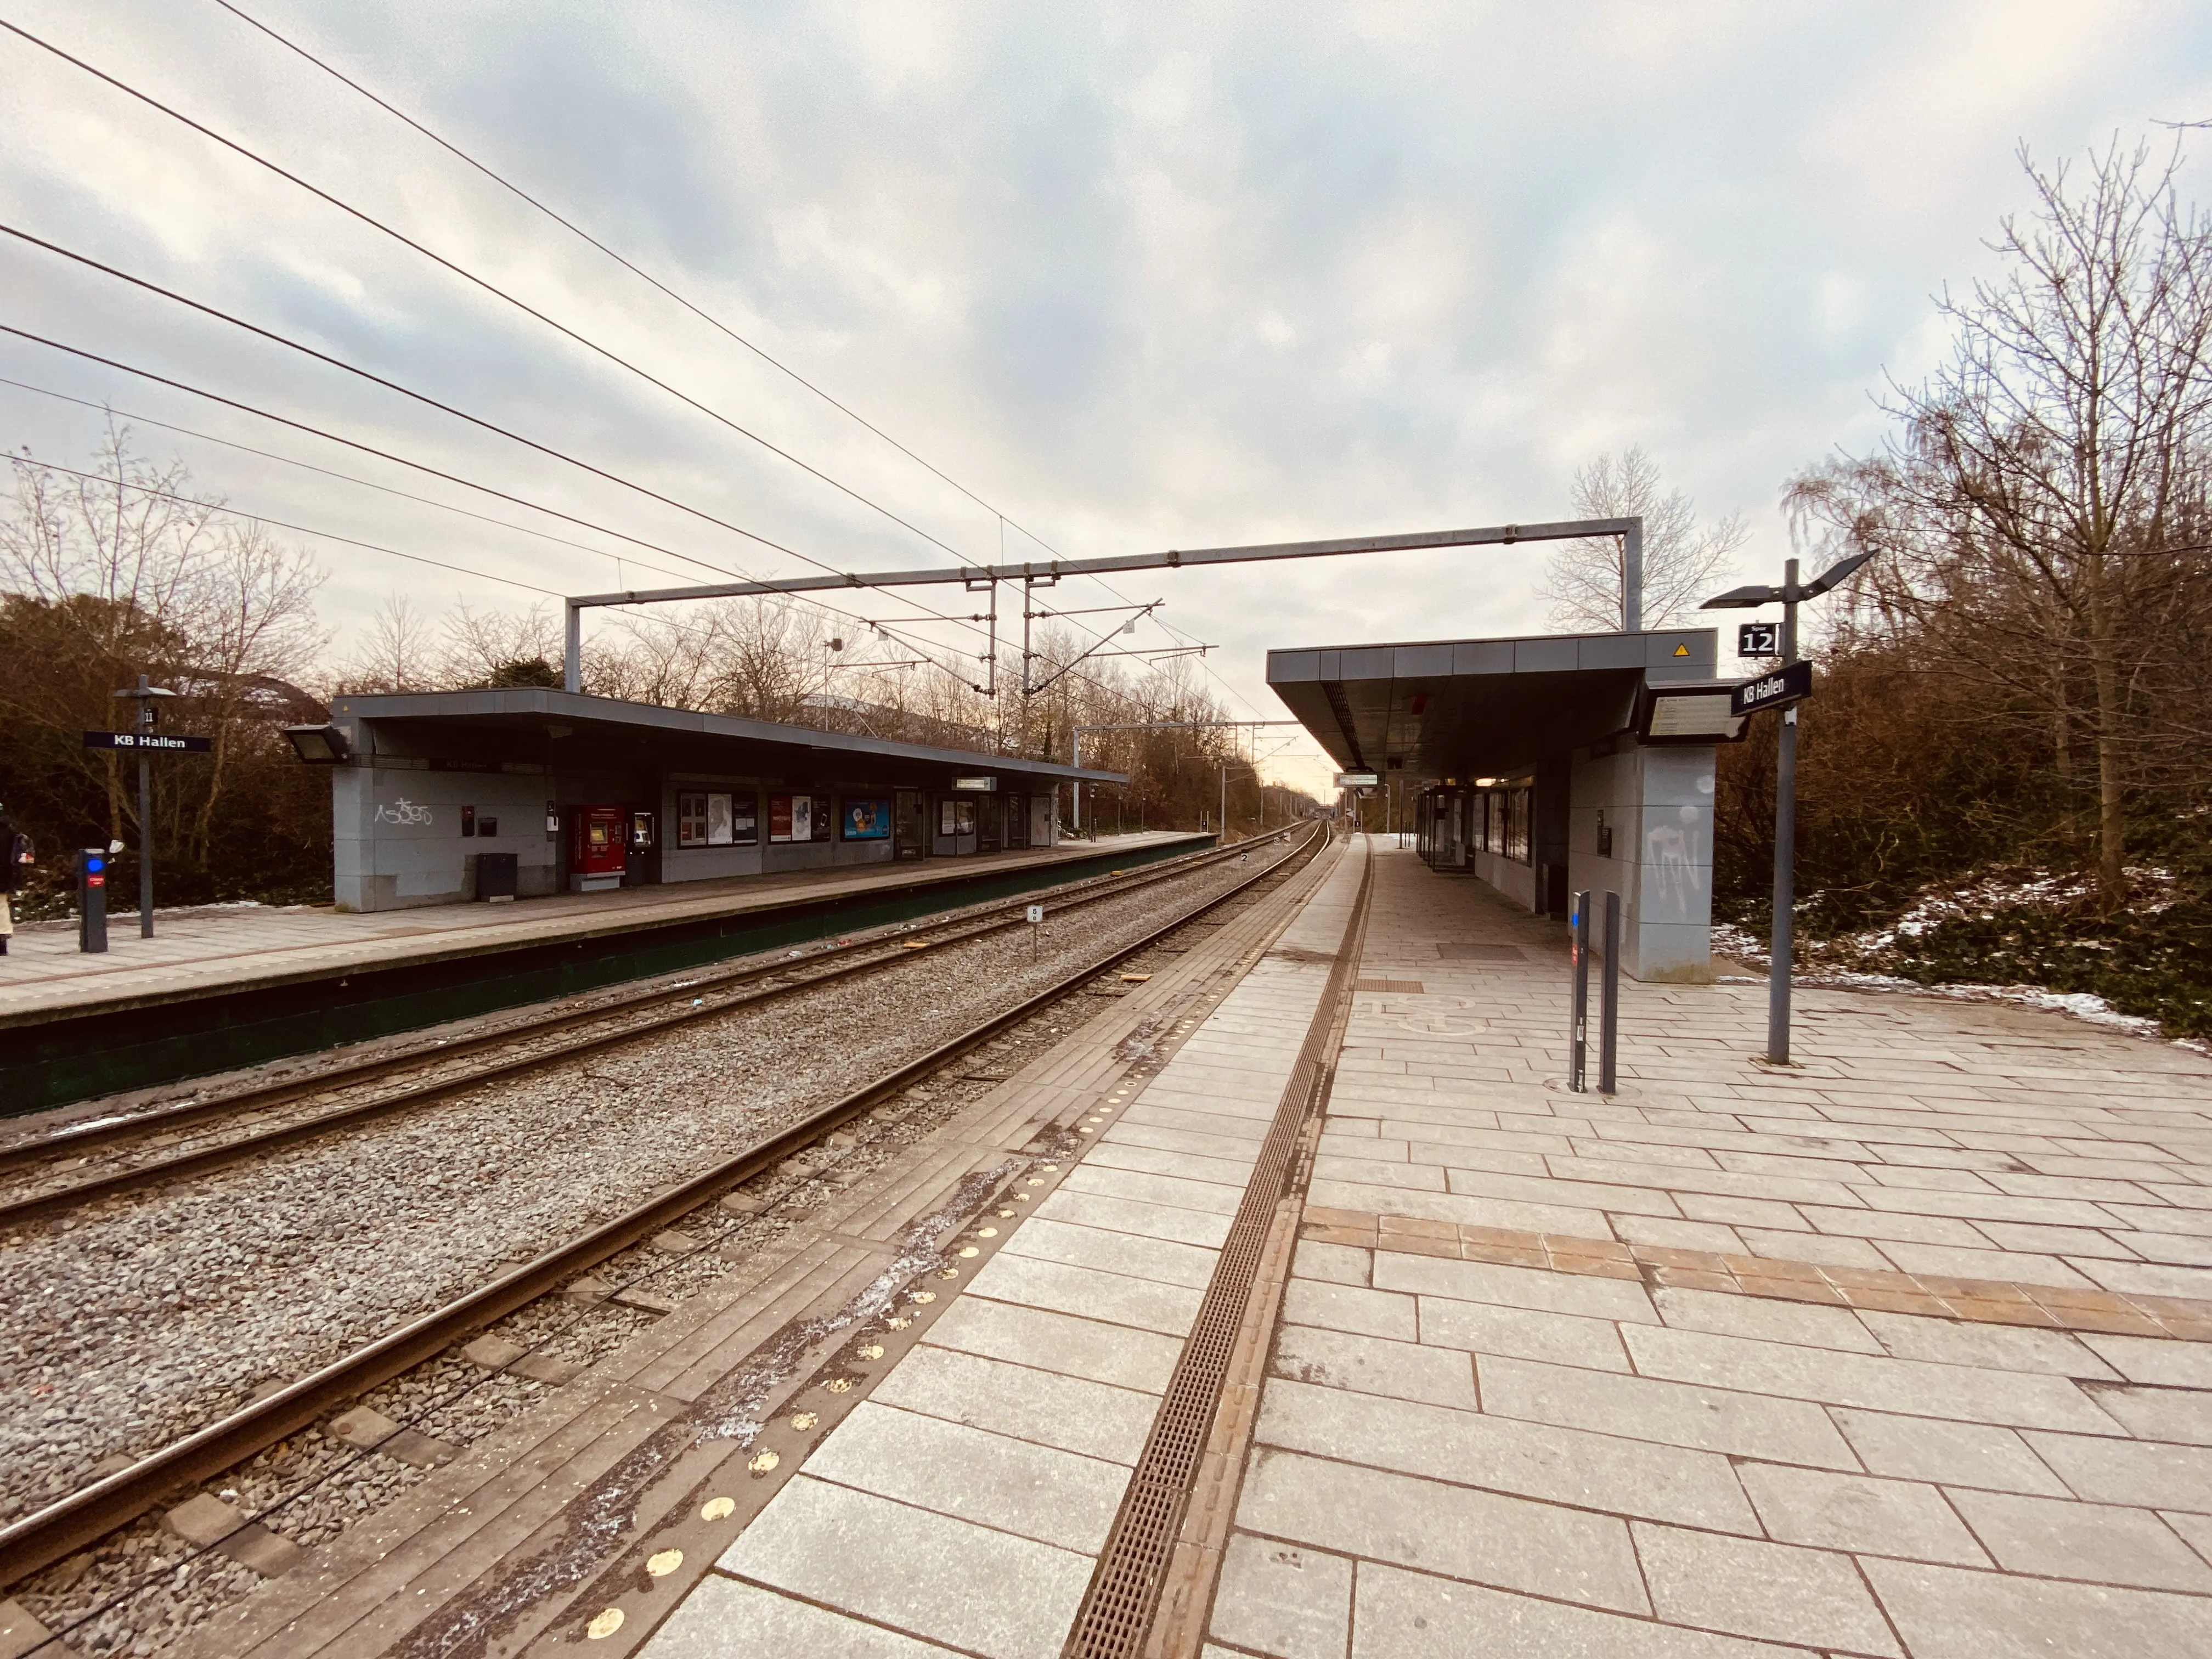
1759	639
1037	913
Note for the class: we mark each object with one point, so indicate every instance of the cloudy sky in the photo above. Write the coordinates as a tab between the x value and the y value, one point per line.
1139	277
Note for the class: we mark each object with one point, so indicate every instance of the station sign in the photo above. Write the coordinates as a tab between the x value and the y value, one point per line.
1759	639
976	785
1787	685
148	742
1357	779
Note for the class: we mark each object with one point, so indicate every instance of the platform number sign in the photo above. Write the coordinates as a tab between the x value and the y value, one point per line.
1759	639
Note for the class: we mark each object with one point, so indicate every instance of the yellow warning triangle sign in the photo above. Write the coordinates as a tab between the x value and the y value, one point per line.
1682	650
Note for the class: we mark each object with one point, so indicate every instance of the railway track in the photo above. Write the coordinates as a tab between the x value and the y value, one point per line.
560	1034
70	1524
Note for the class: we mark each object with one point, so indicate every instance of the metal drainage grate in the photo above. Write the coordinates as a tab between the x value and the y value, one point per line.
1412	986
1125	1587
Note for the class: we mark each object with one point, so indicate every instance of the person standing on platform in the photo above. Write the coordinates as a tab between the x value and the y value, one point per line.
17	857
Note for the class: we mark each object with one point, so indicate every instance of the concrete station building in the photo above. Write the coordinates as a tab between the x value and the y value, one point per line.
442	798
1543	766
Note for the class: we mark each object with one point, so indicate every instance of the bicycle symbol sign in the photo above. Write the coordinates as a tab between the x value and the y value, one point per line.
403	811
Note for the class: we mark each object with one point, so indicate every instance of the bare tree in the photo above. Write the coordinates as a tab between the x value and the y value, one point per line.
498	647
1584	578
124	569
2043	506
399	652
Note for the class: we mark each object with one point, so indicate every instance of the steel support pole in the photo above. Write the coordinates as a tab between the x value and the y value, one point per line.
1632	577
1578	1021
145	725
572	650
145	844
1608	1022
1785	845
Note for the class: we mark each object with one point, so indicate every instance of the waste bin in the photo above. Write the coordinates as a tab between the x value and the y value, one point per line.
495	875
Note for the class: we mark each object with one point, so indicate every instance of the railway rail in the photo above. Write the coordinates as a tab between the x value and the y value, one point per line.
513	1050
73	1523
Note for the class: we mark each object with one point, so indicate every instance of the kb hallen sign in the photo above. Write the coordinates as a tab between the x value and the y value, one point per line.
1776	690
148	742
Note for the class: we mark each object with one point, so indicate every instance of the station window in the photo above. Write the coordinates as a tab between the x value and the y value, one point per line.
1517	824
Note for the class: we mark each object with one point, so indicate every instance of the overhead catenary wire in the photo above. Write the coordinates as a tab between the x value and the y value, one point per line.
225	509
696	310
249	154
468	276
646	277
16	459
271	335
889	629
450	477
143	419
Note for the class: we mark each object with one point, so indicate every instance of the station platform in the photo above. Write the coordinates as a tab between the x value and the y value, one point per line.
1177	1345
215	988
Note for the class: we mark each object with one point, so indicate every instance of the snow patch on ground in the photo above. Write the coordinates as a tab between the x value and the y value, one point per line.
1733	941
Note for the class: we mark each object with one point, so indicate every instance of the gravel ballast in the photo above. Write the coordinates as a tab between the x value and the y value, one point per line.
143	1318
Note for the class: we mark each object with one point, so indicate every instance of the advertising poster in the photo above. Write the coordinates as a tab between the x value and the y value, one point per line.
778	818
867	820
802	818
718	830
744	819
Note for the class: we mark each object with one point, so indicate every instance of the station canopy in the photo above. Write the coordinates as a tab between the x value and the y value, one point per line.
1463	708
569	729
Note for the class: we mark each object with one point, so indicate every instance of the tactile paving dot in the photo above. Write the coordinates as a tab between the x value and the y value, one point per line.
718	1508
604	1624
661	1563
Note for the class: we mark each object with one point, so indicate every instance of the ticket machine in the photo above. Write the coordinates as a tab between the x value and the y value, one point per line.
598	848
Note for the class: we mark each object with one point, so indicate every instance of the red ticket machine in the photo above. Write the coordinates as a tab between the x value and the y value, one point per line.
598	847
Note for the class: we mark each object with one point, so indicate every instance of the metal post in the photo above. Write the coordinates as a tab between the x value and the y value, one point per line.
1609	1024
1578	1024
1785	843
572	650
1223	839
1632	578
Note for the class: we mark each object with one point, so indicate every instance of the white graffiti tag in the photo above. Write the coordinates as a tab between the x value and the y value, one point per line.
403	811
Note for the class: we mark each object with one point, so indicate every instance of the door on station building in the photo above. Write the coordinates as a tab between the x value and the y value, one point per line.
990	822
1018	820
910	824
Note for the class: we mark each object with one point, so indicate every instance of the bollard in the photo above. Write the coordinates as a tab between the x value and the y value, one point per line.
1609	1024
1579	1026
92	899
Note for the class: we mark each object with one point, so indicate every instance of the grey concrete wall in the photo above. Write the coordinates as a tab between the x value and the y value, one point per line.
397	841
1516	881
1659	803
